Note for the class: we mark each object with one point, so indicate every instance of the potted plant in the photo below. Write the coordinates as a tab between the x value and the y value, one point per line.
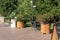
20	21
45	20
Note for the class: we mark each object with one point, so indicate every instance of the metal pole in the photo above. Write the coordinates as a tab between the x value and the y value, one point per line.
33	20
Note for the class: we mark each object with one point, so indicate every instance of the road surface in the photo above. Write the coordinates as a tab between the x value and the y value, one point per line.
7	33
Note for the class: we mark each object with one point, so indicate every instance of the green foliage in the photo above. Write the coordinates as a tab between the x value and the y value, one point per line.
28	24
48	9
44	17
7	7
24	7
20	17
12	15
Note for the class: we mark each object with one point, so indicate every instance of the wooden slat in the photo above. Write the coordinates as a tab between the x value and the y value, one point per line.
54	34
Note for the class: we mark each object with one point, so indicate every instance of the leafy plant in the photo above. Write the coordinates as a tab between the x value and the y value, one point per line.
20	17
8	6
48	10
24	7
44	17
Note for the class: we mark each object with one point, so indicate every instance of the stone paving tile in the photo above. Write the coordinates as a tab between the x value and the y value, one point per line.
7	33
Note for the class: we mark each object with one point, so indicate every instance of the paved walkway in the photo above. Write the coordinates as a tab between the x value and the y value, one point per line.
7	33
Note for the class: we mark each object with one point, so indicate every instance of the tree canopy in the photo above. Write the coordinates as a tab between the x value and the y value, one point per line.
8	7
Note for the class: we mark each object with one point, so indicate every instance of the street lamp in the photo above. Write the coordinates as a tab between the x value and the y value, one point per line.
33	8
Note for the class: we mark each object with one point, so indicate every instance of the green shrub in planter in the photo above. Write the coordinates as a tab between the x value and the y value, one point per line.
20	21
46	18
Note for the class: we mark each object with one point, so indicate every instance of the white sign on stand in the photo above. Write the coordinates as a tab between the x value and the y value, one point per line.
13	23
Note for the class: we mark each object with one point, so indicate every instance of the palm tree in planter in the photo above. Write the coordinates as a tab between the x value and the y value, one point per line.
44	20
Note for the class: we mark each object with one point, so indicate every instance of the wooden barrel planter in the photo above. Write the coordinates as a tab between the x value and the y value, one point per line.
45	28
20	24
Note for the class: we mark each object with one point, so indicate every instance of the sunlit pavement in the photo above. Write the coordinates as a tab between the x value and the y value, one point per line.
7	33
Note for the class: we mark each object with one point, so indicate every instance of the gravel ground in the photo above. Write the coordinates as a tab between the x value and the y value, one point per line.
7	33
